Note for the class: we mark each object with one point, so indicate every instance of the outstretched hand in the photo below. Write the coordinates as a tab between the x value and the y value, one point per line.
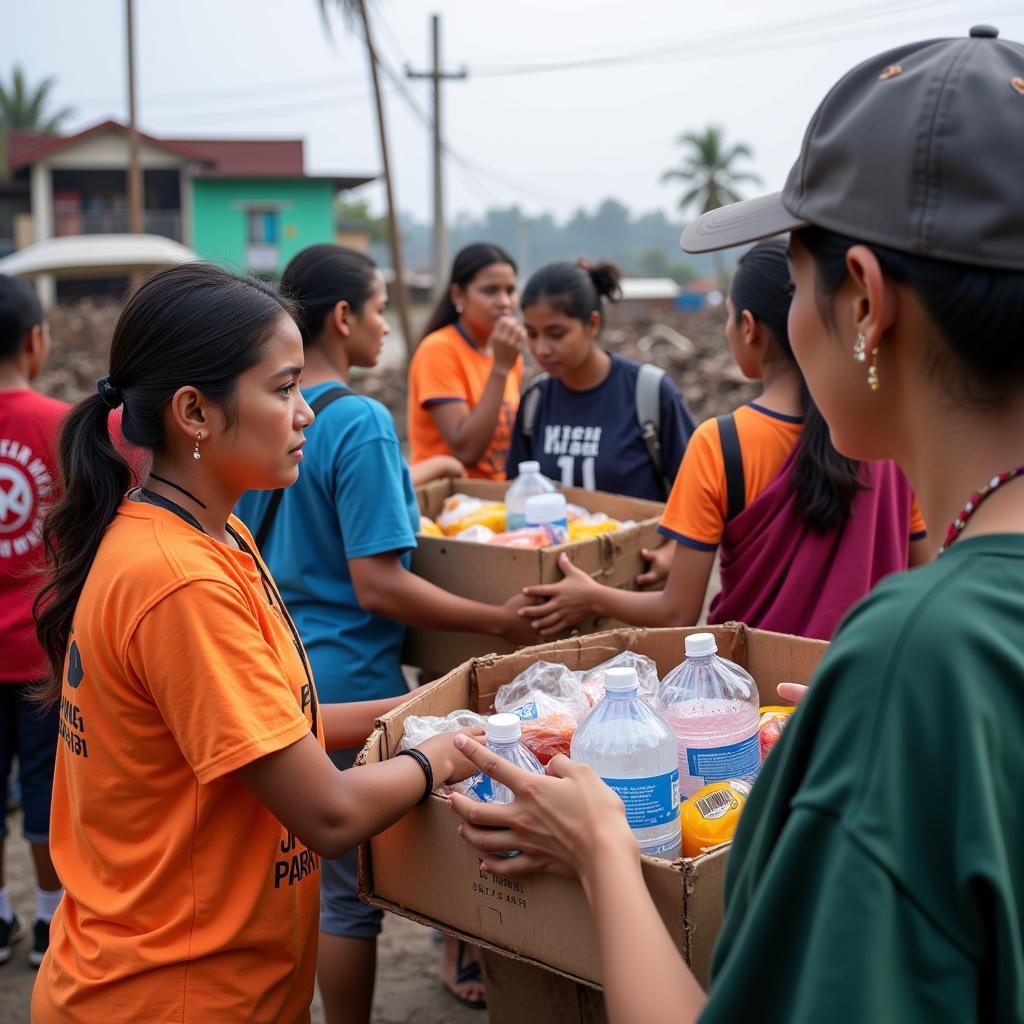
562	822
659	563
568	602
793	692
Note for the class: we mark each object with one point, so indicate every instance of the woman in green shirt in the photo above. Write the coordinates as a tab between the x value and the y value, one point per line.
876	874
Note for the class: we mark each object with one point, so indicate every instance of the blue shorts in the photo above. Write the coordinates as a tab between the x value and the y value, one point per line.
29	732
341	912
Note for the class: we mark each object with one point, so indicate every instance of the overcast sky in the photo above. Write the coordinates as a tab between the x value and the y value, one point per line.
547	140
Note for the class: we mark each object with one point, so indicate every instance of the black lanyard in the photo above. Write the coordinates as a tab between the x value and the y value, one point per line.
269	587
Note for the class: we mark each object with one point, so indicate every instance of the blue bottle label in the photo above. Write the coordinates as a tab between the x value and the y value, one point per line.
718	764
481	788
526	712
649	802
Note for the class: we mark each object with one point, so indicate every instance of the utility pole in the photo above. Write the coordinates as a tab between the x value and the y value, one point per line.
135	156
437	76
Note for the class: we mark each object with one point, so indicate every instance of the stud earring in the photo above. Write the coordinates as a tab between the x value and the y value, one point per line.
195	451
458	309
873	382
860	347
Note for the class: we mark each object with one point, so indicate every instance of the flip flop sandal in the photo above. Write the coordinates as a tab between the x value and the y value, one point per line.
464	975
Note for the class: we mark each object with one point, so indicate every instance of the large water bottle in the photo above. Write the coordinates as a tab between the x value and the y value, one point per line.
713	708
528	483
503	737
632	748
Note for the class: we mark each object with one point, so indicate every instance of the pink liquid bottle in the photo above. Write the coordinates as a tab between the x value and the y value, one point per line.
713	708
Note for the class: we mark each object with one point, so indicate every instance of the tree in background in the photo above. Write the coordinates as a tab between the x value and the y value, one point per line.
709	170
23	108
355	13
357	211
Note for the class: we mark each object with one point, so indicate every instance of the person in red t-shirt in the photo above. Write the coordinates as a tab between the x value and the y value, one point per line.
29	424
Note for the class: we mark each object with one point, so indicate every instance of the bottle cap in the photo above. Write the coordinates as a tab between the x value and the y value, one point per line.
545	508
529	467
700	645
504	728
621	680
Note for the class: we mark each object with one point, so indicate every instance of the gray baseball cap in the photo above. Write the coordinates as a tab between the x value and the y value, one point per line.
920	149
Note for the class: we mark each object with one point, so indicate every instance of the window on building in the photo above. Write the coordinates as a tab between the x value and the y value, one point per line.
263	227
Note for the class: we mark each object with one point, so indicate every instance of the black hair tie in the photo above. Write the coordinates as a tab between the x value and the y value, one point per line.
110	393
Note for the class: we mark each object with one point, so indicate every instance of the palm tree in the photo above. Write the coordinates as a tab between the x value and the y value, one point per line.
24	109
355	13
709	169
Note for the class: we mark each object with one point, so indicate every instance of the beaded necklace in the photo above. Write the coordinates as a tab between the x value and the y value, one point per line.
974	501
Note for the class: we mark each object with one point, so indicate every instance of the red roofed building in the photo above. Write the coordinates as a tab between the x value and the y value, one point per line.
245	203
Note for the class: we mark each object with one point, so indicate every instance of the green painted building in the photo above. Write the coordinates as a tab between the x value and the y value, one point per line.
260	224
247	204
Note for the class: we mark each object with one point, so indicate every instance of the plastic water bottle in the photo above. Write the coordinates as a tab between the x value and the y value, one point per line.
713	708
549	511
632	748
529	482
503	737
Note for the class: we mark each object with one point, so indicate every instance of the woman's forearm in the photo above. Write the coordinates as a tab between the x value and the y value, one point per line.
384	587
348	725
643	974
473	435
641	608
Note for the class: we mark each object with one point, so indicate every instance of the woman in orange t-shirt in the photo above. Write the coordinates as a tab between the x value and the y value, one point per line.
465	376
193	797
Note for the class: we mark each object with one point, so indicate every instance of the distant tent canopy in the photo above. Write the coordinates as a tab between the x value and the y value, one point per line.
96	256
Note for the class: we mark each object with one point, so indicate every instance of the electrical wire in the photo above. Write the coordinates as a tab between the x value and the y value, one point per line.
696	45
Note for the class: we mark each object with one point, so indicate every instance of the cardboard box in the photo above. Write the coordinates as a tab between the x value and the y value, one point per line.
420	869
494	574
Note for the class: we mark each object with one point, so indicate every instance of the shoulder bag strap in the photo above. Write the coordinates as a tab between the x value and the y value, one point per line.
648	415
735	483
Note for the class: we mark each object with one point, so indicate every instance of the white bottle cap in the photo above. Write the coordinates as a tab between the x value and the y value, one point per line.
504	728
699	645
545	508
621	680
529	467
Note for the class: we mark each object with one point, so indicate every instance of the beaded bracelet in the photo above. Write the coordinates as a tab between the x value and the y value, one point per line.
424	762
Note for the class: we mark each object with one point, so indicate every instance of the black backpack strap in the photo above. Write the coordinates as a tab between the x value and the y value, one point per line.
648	415
528	404
735	483
263	531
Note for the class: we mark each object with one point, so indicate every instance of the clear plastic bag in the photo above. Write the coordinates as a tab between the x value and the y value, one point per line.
545	688
477	533
421	727
592	680
549	735
461	511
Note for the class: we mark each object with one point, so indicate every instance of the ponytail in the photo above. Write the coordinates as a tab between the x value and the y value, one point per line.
194	324
94	478
825	482
468	263
575	289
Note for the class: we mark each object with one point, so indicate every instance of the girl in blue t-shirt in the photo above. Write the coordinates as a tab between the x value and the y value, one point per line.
593	419
340	550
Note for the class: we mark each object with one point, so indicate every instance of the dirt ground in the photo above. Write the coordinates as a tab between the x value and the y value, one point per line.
407	987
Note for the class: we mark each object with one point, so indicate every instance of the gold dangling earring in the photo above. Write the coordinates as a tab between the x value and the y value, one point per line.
860	347
873	382
195	451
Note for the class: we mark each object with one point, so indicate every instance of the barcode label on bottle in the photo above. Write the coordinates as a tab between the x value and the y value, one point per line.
651	801
714	805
